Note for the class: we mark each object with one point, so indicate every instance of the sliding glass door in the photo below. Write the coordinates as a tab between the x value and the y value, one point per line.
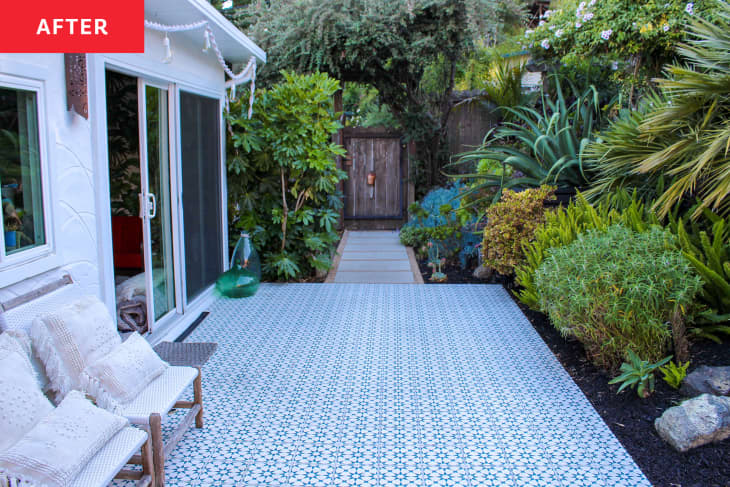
156	200
200	121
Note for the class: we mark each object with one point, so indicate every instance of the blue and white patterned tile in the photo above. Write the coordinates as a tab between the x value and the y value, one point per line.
390	385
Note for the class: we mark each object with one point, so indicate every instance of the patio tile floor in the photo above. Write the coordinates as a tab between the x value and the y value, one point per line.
390	385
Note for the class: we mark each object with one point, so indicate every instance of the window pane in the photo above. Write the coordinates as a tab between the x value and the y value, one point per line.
200	136
20	171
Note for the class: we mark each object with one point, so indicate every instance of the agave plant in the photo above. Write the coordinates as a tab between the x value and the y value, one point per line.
685	136
545	146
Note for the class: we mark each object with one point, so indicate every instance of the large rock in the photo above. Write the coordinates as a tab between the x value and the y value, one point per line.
695	422
483	272
707	380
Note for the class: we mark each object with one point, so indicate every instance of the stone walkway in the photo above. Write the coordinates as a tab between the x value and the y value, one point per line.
374	257
390	385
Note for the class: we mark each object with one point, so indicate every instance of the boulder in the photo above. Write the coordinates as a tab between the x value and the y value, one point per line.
483	272
707	380
696	422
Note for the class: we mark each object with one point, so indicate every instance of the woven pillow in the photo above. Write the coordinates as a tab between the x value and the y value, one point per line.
55	451
22	404
120	376
72	337
22	339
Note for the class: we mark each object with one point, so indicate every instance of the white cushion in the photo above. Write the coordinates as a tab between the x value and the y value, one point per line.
57	449
22	339
22	404
72	337
119	377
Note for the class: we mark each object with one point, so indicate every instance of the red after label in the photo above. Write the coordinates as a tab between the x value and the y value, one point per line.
72	26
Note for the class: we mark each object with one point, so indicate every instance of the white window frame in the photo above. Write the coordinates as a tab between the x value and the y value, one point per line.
38	254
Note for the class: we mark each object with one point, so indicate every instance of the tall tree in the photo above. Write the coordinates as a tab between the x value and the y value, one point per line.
407	49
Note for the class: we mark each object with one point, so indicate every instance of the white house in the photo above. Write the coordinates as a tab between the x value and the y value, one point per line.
131	201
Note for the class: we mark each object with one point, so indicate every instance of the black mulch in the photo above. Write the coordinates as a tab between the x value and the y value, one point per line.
632	419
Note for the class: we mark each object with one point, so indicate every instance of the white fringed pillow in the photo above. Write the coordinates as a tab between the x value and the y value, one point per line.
22	404
55	451
120	376
69	339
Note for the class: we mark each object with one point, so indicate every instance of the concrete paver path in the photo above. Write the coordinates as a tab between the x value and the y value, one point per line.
374	257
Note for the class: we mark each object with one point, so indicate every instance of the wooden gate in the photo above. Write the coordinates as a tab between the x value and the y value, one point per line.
375	187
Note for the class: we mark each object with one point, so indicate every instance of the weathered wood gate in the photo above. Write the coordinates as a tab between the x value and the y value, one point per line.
377	172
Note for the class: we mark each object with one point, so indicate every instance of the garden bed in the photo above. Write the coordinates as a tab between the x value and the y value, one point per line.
631	419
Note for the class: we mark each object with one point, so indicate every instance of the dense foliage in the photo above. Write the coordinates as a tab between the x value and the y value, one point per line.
544	145
618	290
282	177
563	226
636	38
436	219
511	224
684	136
407	50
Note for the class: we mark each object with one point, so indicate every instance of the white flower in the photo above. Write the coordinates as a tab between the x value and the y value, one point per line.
542	22
690	8
665	27
545	44
552	27
606	34
614	65
591	3
558	32
528	32
582	6
578	25
587	16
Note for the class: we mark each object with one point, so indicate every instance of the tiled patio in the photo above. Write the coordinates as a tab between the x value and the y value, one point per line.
357	384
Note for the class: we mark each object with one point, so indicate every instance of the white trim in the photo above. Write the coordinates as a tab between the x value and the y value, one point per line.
224	184
42	256
96	66
176	197
221	22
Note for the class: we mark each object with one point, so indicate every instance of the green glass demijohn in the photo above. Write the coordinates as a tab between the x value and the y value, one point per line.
244	276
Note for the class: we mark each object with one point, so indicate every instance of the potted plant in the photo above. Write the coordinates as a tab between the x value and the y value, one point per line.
12	224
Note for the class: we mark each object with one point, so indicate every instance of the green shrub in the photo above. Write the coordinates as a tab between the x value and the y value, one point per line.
563	226
674	374
511	223
638	374
546	146
639	36
618	290
684	135
282	176
437	218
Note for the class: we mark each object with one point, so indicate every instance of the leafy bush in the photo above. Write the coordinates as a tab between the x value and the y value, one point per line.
674	374
638	374
638	36
550	146
511	224
684	136
708	249
436	218
618	290
282	177
563	226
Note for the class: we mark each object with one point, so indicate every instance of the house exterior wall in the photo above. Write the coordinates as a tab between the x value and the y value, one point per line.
77	165
70	178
